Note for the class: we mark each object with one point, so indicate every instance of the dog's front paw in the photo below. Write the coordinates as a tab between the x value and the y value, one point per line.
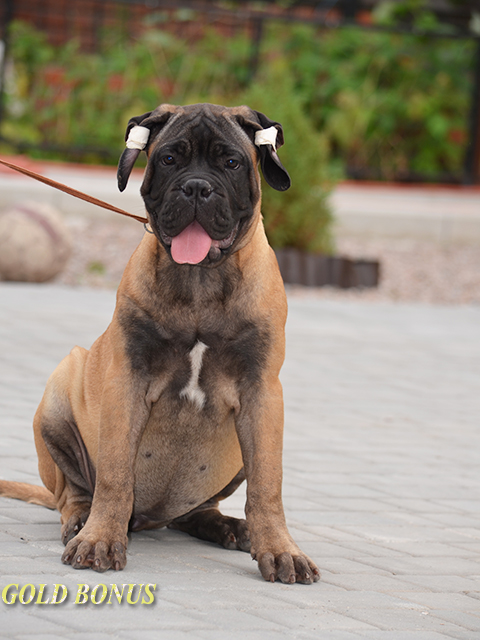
288	568
98	552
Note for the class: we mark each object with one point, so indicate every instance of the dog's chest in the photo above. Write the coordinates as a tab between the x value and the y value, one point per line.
189	450
193	362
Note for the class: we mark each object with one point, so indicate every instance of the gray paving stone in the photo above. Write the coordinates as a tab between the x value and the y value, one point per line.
405	619
15	566
409	635
316	619
460	601
465	619
383	582
28	513
45	636
432	565
469	547
381	484
237	618
342	600
16	622
440	583
18	548
234	634
155	634
123	619
29	531
92	635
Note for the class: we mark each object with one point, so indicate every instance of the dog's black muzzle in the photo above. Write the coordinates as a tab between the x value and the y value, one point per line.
197	190
195	200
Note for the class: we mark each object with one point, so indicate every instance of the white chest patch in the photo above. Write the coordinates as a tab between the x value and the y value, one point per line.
192	391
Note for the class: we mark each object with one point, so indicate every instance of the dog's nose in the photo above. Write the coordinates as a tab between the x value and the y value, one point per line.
196	188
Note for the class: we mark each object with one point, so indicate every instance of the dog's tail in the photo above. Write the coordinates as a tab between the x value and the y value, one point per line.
28	493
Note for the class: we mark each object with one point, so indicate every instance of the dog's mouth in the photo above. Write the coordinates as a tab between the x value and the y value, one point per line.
193	244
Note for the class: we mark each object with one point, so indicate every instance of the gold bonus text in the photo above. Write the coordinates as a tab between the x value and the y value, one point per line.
58	593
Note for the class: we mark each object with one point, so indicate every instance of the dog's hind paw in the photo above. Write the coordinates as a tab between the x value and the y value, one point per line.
234	534
212	525
74	524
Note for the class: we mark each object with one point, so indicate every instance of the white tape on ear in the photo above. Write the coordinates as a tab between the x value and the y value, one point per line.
138	137
267	136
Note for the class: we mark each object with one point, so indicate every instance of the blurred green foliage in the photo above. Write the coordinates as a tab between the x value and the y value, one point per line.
395	104
79	99
299	217
348	99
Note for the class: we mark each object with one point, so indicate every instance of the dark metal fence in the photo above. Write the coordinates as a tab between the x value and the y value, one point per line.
86	20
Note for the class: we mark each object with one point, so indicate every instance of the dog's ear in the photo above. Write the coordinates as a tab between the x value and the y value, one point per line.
267	136
137	137
128	157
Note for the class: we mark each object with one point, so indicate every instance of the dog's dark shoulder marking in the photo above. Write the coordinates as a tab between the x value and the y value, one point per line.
241	350
148	345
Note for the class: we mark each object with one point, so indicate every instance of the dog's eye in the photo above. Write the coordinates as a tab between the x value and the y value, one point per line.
231	163
168	160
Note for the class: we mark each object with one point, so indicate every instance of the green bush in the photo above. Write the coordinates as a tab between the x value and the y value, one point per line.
299	217
394	104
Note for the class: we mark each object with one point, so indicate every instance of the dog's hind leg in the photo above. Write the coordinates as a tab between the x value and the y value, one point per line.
208	523
63	461
76	477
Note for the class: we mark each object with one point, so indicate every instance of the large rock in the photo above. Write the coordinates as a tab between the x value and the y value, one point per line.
35	243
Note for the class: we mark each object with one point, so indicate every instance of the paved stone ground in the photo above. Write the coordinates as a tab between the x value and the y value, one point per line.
381	487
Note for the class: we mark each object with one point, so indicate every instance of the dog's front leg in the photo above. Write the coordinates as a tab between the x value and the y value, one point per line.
260	432
102	543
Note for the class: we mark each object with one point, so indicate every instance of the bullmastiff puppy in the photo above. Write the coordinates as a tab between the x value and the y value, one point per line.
179	400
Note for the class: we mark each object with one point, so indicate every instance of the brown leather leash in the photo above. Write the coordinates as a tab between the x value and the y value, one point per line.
70	191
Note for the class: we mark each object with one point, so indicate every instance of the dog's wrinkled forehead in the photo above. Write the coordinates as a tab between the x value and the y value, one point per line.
201	126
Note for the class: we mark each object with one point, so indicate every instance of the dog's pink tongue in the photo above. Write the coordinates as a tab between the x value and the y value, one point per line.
192	245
